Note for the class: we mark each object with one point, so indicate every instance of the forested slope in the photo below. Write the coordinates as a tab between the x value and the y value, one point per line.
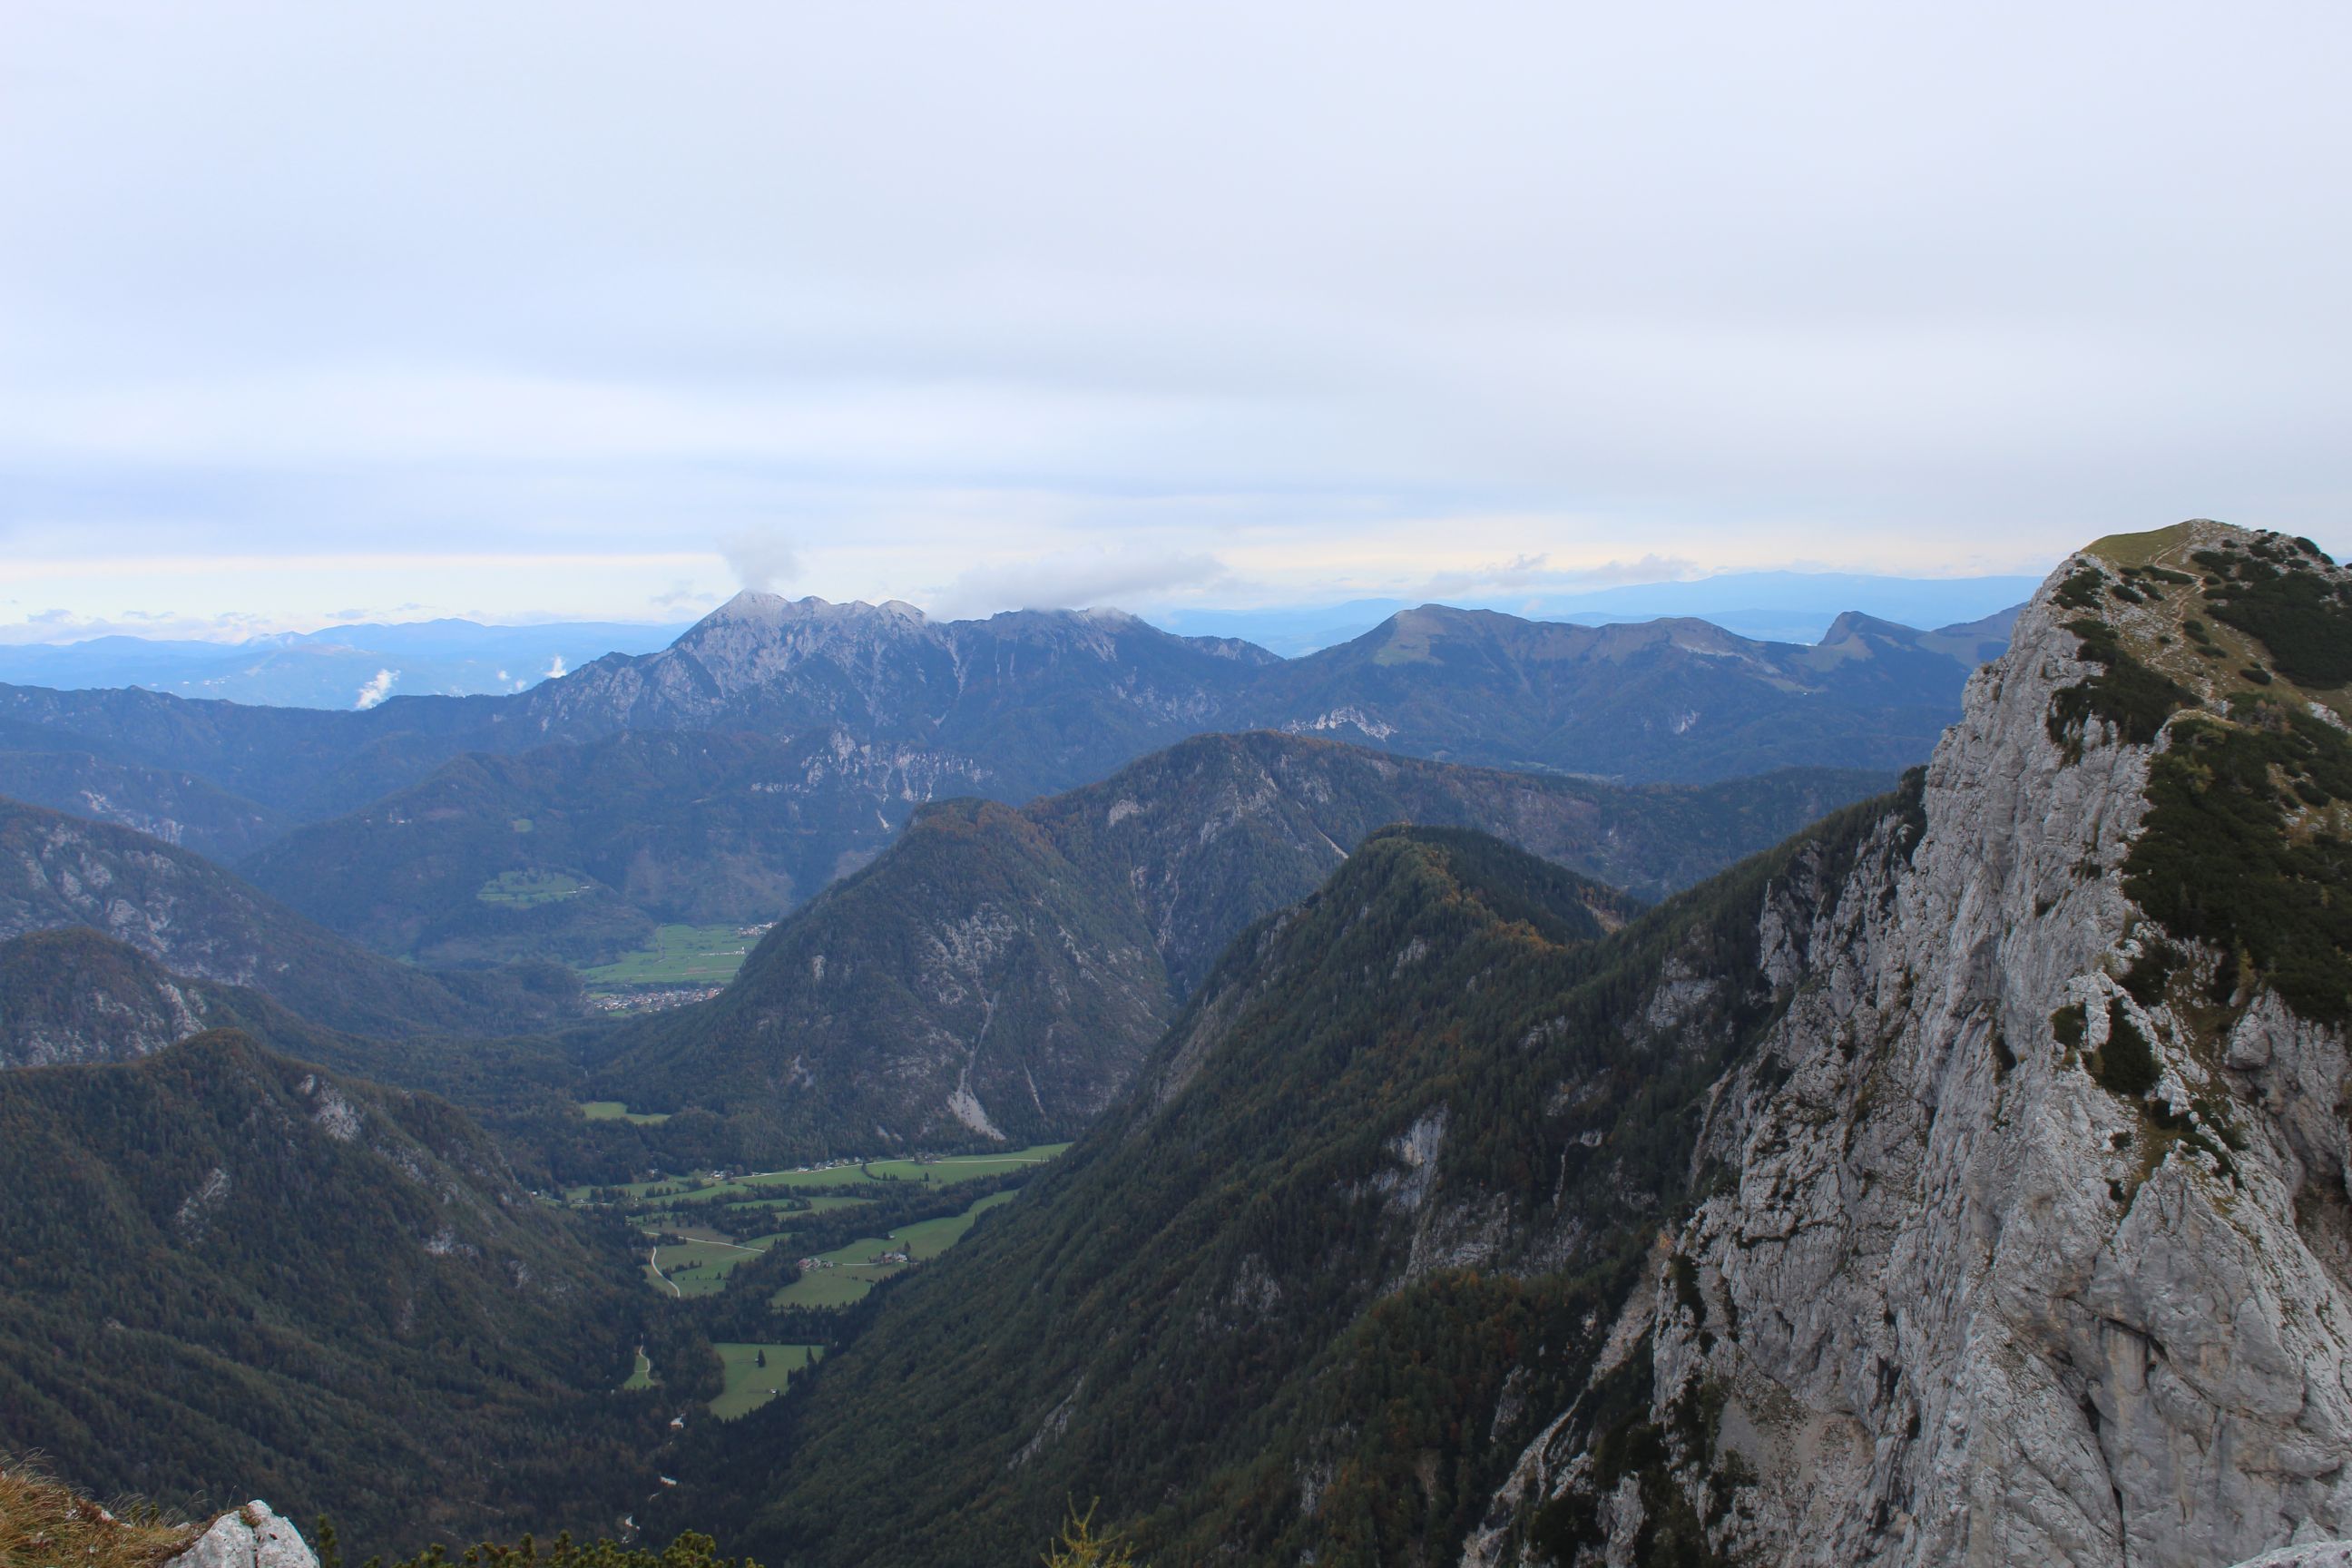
1348	1239
1001	973
233	1275
199	920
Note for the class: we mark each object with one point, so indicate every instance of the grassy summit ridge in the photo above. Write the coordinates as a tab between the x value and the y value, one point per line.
2236	647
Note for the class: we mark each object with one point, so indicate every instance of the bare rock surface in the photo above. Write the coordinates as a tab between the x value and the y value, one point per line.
1946	1300
2324	1554
248	1537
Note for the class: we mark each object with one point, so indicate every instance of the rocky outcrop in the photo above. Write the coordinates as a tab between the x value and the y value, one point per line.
248	1537
2325	1554
2024	1237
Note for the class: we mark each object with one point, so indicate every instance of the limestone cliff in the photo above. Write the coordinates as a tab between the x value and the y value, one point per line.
2023	1235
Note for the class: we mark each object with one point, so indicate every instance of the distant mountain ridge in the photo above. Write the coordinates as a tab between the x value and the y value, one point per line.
1771	606
58	871
1028	703
338	667
998	973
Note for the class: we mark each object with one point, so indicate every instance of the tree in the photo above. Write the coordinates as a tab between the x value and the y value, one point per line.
1081	1547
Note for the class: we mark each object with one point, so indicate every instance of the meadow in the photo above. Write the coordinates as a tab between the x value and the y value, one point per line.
618	1110
749	1385
526	890
680	955
700	1266
846	1273
677	1191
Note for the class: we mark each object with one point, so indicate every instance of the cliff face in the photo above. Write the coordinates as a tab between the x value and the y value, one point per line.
2023	1237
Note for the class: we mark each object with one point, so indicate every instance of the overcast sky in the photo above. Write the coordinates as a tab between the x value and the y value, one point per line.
579	310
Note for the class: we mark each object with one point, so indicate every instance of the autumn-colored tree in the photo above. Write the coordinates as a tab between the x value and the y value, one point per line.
1081	1547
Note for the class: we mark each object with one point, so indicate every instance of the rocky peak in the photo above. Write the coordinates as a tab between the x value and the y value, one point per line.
772	609
2026	1236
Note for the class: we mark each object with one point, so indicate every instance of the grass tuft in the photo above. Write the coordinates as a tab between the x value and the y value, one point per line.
43	1522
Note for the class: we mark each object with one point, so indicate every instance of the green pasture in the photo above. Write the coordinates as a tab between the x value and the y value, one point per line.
643	1377
523	889
680	955
833	1179
749	1385
616	1110
701	1268
853	1272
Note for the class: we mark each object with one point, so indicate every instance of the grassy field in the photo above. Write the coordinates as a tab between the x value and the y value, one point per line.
644	1375
701	1268
949	1171
749	1384
524	889
680	955
853	1271
616	1111
818	1202
965	1167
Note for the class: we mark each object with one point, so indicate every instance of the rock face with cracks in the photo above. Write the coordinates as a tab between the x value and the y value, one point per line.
1957	1287
248	1537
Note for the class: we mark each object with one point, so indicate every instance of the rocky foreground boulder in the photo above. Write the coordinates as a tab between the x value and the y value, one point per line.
248	1537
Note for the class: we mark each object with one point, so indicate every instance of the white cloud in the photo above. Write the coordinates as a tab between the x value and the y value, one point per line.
759	560
1075	580
554	669
377	690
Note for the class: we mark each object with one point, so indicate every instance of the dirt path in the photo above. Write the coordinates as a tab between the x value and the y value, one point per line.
652	1256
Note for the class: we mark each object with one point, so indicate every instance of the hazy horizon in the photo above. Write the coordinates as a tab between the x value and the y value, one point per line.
601	314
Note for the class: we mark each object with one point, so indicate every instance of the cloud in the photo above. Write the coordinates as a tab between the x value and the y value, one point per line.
1535	571
759	560
376	690
1959	338
1648	569
1515	573
1076	580
554	669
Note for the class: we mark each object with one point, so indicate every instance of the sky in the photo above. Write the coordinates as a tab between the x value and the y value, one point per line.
538	311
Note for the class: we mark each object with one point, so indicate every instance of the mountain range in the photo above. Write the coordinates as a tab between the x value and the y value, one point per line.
1771	606
340	666
777	745
1470	1165
350	666
1962	1181
1000	974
